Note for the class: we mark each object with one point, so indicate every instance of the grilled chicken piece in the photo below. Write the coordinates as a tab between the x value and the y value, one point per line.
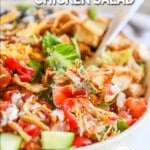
120	43
122	81
85	51
124	76
102	77
135	90
90	32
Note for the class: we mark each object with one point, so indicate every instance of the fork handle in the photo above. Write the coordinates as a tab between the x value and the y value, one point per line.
123	15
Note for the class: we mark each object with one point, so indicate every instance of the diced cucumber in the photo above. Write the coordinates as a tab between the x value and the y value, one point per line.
122	125
56	140
10	141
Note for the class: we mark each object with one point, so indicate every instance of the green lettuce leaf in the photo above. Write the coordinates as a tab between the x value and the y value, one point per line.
116	57
46	95
48	41
62	56
75	44
58	55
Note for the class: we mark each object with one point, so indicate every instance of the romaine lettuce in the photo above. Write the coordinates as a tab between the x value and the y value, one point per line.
116	57
48	41
58	55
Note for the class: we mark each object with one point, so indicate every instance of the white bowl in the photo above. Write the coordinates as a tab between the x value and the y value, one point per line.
133	138
130	138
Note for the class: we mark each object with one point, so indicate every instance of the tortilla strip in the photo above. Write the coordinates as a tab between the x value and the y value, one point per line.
17	128
11	16
36	88
34	120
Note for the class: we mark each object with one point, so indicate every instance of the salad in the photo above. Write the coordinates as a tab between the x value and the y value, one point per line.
48	99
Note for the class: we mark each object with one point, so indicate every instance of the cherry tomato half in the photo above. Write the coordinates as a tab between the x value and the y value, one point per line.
67	107
60	94
81	141
12	64
32	130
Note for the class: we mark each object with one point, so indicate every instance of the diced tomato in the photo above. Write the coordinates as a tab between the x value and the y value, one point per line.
30	129
80	93
58	98
5	77
133	109
136	106
7	128
113	118
8	94
4	105
124	114
60	94
24	72
67	90
12	64
81	141
67	107
22	124
24	77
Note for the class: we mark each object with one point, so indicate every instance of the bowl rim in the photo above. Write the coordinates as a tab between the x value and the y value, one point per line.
119	136
134	126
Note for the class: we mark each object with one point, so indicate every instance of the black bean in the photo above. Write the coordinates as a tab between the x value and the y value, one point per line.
21	14
3	11
49	10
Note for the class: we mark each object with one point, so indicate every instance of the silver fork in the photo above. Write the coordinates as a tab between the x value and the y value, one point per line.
122	16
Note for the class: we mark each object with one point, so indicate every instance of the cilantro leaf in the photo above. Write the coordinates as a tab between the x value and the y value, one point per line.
37	66
48	42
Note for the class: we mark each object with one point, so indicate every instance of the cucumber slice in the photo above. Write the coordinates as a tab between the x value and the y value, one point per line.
10	141
56	140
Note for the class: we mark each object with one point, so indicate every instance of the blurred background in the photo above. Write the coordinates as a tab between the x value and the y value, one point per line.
145	7
9	3
137	29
